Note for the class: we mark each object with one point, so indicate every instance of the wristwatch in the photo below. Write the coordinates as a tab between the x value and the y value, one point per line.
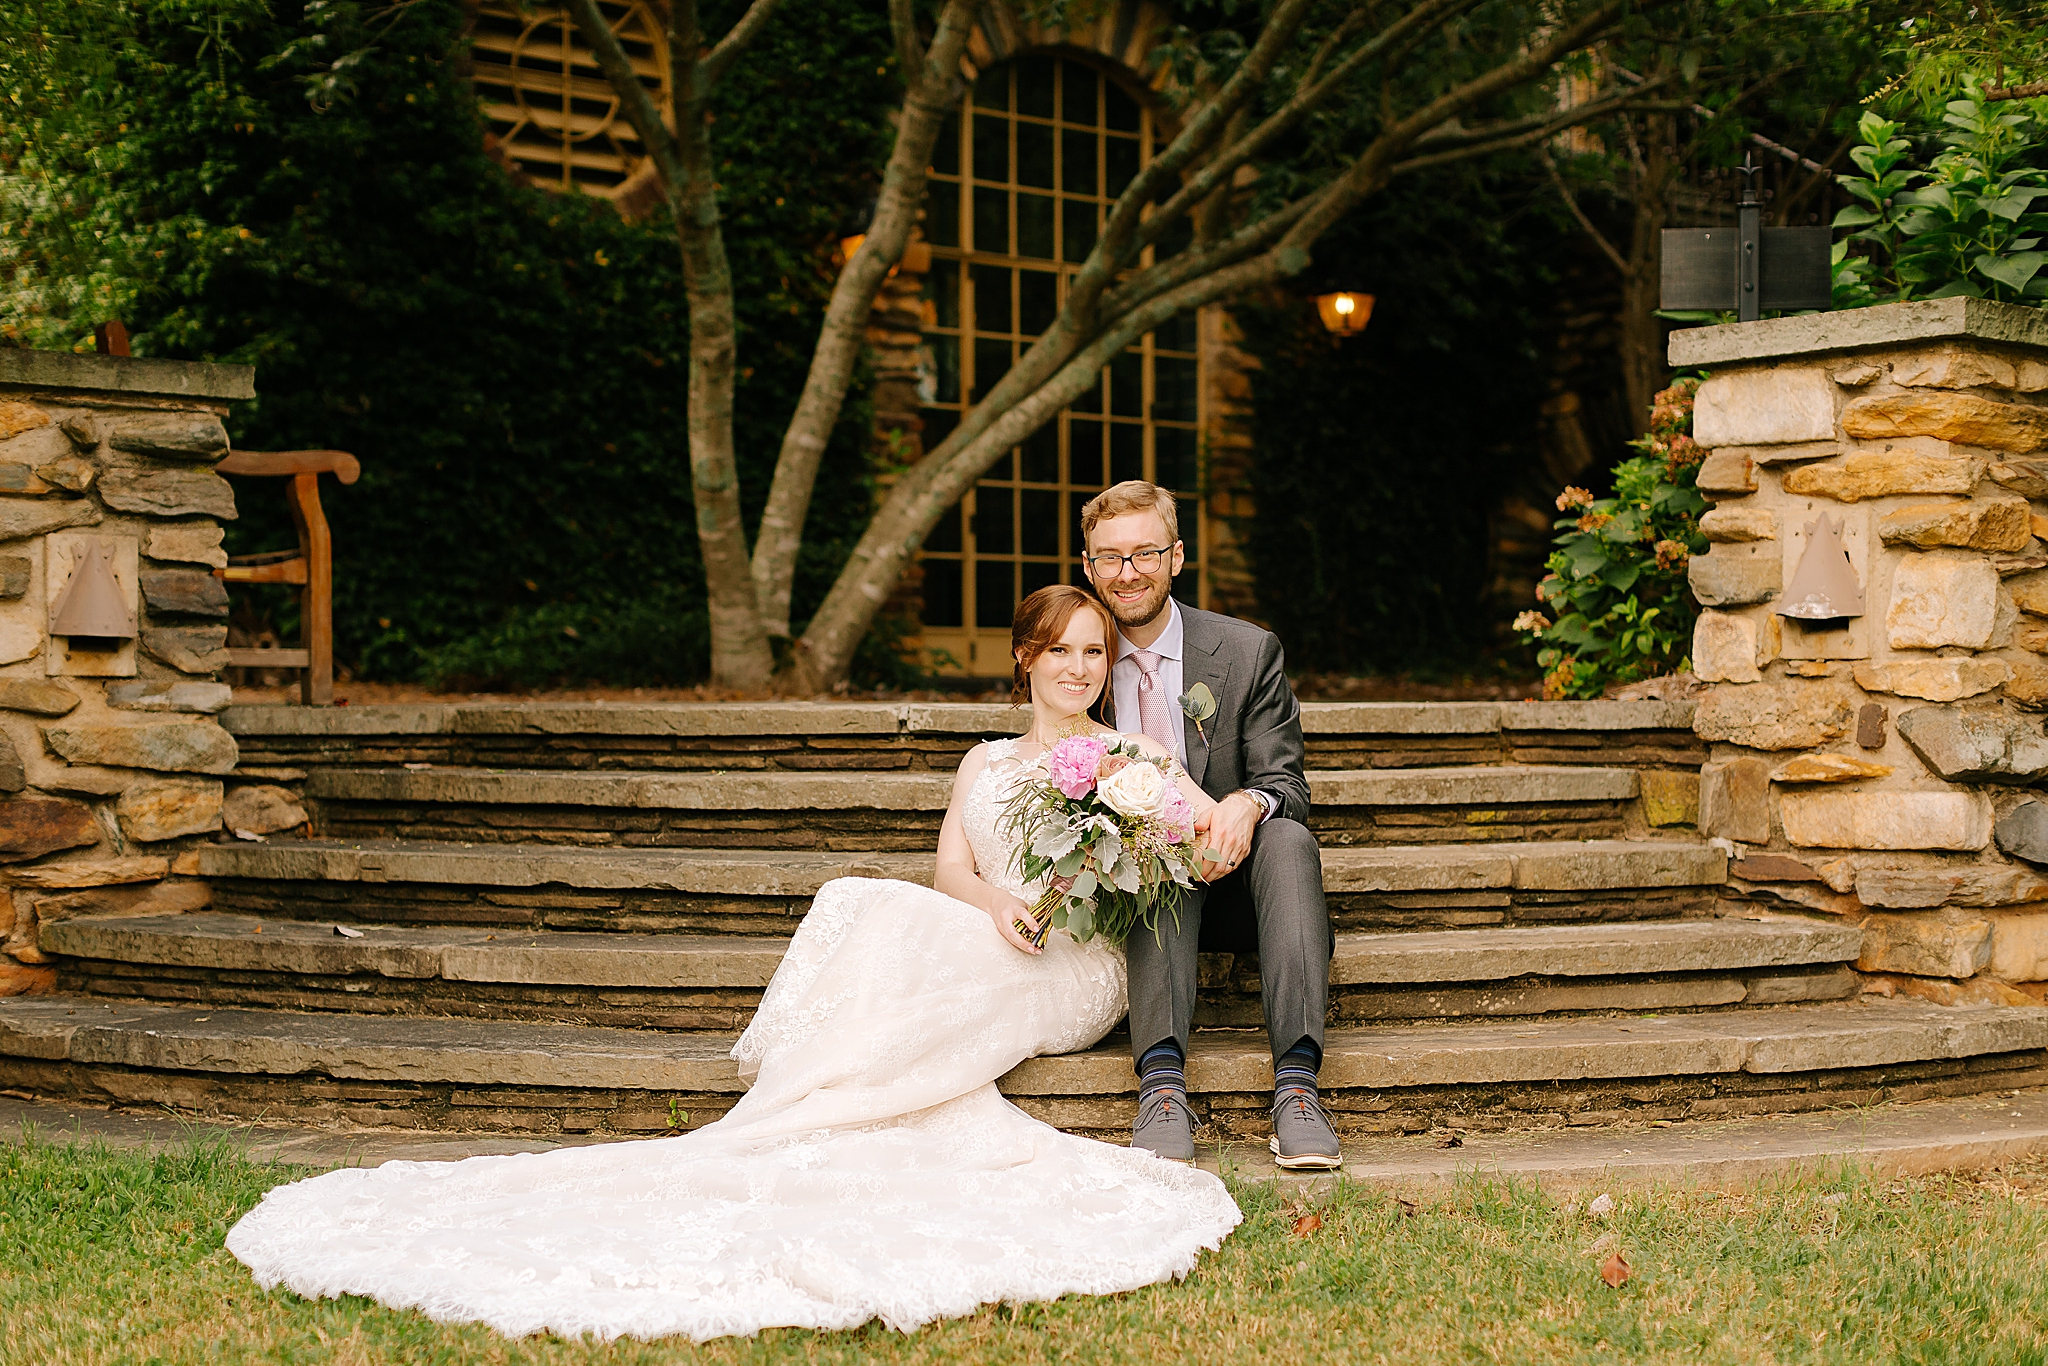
1268	803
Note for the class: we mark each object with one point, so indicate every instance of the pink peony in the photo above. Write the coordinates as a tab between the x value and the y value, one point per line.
1178	816
1071	764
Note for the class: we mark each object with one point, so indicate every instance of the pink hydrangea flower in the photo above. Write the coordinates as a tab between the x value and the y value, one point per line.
1072	762
1178	817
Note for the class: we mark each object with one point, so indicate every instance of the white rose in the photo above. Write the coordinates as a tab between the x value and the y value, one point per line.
1136	789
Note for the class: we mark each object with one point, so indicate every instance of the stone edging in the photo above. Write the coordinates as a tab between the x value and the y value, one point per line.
1885	325
125	375
905	718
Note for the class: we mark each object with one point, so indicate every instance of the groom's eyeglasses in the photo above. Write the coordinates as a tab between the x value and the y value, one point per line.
1144	561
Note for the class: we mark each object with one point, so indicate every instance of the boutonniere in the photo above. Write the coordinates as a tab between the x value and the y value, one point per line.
1198	704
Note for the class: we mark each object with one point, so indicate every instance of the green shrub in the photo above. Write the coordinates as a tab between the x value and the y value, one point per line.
1964	223
1617	579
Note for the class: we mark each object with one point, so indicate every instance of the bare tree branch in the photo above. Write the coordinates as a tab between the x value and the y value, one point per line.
2031	90
1313	92
633	97
903	28
1202	127
935	87
736	40
1507	139
1600	239
894	536
1372	169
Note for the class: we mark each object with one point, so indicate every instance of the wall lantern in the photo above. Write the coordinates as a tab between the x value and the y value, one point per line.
916	258
93	610
1345	313
1824	587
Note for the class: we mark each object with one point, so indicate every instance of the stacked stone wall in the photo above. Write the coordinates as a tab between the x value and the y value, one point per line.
1881	764
112	768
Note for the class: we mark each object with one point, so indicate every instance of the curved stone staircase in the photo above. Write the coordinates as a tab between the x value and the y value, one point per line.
554	918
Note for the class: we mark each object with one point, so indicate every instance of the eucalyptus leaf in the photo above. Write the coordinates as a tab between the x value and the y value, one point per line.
1081	924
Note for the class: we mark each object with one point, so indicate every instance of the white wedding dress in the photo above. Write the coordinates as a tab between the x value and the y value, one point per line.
872	1171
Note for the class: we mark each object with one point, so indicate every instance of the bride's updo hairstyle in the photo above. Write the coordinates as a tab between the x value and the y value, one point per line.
1040	621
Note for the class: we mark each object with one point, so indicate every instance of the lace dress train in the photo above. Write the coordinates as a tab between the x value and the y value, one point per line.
873	1170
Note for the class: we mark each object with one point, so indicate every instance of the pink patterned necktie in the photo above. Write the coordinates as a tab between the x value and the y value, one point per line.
1155	714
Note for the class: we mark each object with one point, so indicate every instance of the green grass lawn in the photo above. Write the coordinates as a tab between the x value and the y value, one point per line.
117	1257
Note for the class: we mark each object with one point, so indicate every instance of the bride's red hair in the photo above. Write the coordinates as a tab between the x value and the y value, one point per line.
1041	620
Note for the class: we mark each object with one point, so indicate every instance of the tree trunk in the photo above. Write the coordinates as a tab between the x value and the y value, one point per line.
740	657
931	92
1643	371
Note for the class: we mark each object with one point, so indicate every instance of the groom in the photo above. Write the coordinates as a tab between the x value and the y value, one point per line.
1174	664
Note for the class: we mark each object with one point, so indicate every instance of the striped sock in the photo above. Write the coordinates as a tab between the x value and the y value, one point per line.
1162	1068
1297	1067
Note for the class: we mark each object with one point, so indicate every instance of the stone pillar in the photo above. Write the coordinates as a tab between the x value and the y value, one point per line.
1875	764
110	763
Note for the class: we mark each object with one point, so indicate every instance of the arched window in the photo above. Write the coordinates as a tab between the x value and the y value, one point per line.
1022	178
555	116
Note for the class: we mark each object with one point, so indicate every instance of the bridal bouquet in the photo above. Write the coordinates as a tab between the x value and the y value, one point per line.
1108	827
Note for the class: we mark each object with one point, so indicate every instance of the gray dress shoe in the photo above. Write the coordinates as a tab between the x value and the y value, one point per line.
1164	1126
1302	1137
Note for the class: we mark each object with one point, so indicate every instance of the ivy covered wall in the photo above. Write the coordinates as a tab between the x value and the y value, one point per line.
506	361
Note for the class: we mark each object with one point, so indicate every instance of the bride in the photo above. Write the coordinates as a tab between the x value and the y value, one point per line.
872	1170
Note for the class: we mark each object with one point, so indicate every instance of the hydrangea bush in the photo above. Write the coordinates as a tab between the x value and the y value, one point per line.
1617	588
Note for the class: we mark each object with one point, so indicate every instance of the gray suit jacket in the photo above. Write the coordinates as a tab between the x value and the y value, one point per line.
1254	740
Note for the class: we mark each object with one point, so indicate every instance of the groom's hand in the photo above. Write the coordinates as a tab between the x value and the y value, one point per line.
1228	828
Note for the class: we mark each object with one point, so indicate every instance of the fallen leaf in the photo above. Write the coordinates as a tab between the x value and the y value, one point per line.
1453	1139
1409	1209
1602	1206
1614	1270
1307	1224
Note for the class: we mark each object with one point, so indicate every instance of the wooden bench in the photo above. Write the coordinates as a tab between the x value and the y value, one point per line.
311	566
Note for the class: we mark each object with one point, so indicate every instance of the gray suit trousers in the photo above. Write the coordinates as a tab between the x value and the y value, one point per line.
1282	880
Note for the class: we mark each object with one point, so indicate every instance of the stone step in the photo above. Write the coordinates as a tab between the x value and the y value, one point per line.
682	981
518	1077
752	891
918	736
901	811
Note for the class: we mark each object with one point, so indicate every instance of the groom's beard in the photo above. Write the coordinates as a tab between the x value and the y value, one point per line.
1145	612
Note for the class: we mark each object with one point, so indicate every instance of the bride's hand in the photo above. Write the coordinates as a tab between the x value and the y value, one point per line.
1007	912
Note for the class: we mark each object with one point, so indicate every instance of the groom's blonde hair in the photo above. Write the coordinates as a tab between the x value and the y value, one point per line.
1133	495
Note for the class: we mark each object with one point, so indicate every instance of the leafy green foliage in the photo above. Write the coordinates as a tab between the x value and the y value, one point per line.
1949	46
1617	579
1962	222
507	362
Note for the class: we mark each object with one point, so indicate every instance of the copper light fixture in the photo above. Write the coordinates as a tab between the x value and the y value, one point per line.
1345	313
1824	586
93	611
852	244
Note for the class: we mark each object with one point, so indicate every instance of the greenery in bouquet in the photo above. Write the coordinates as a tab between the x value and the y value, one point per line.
1617	580
1102	824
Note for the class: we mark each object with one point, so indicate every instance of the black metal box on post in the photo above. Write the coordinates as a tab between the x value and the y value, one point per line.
1749	268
